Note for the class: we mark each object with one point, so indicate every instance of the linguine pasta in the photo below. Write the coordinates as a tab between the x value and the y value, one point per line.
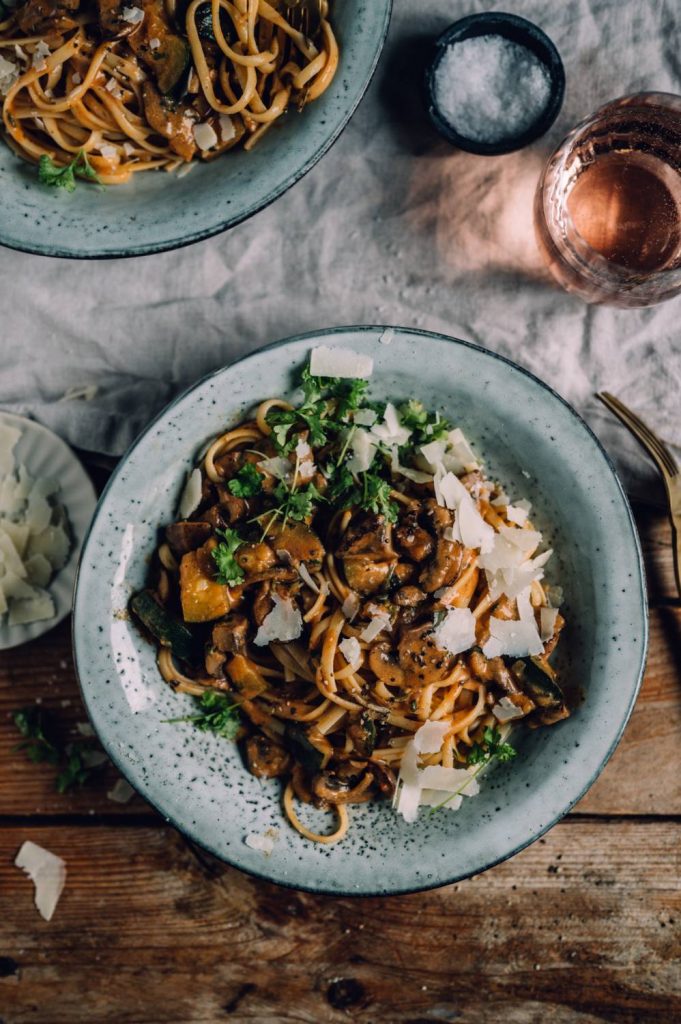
147	84
371	605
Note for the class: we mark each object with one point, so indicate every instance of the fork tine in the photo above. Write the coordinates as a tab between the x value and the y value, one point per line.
652	444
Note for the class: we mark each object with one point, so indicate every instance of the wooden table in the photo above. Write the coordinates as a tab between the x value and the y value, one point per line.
582	927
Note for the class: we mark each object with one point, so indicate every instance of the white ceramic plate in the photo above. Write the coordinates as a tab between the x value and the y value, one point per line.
45	454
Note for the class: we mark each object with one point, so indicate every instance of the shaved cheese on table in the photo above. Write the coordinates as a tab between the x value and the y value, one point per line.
340	362
191	495
351	650
283	624
121	792
48	874
456	632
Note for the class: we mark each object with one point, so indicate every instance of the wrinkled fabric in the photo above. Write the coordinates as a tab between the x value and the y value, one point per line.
393	226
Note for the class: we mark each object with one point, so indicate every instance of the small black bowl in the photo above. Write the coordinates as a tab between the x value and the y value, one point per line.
517	30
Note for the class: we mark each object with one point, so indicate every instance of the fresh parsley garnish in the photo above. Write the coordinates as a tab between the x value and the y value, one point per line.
217	714
298	504
229	571
370	492
491	746
246	483
56	176
41	747
426	426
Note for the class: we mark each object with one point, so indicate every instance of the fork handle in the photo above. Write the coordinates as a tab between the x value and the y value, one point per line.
676	547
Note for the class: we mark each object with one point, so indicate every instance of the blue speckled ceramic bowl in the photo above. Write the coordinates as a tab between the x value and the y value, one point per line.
532	441
158	211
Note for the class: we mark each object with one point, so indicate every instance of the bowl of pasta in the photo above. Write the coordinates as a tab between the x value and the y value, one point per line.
363	612
108	105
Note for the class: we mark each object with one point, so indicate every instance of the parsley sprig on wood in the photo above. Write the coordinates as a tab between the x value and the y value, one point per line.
76	761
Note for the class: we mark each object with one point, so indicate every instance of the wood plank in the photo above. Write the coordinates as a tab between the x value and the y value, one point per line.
582	927
641	778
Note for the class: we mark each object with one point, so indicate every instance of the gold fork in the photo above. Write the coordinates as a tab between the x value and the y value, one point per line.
305	16
665	462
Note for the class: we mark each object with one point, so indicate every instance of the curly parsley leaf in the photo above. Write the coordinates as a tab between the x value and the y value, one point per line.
217	714
57	176
229	571
350	394
491	746
426	426
369	492
246	483
298	504
76	770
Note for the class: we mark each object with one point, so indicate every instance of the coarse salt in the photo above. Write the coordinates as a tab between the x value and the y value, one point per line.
489	88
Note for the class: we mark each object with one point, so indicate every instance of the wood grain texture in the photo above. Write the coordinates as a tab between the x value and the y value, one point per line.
582	927
642	778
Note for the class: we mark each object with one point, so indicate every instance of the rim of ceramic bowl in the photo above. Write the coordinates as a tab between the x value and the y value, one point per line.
515	29
204	842
132	251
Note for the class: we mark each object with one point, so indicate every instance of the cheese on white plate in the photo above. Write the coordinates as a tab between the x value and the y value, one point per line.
283	624
514	638
53	543
191	494
18	533
48	874
456	632
10	558
340	362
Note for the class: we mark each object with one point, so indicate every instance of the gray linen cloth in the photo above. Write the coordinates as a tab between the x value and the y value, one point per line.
393	226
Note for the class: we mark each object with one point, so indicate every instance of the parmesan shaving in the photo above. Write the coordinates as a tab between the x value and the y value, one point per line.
428	739
205	136
340	362
227	129
48	874
506	710
264	842
283	624
133	15
363	449
277	467
365	417
351	650
305	576
387	336
191	495
456	633
121	792
350	606
547	622
378	623
514	638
